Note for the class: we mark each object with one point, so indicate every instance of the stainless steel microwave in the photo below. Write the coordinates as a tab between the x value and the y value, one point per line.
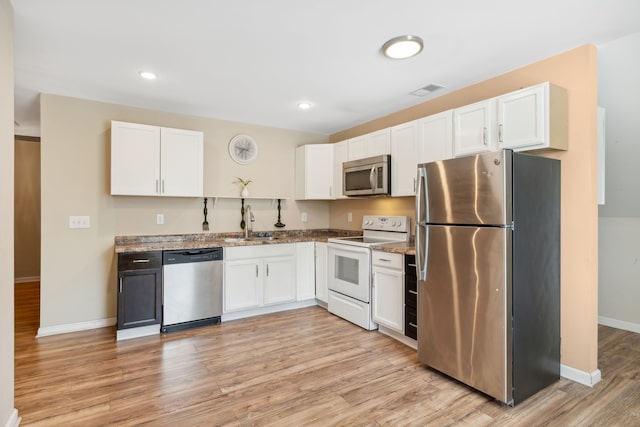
367	177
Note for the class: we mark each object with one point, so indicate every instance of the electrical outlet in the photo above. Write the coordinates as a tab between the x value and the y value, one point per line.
79	221
160	219
304	217
349	217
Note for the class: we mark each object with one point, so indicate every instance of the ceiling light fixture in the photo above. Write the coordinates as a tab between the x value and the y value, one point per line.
148	75
304	105
402	47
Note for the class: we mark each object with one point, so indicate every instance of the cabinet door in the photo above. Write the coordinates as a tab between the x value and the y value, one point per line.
357	147
435	141
139	298
369	145
305	271
279	280
521	118
474	129
388	298
135	159
181	164
379	143
340	155
322	284
404	154
242	285
314	172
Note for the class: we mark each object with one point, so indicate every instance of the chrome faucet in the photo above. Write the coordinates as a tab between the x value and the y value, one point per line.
248	219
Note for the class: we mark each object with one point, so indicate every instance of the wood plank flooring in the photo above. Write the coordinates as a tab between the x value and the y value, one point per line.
297	368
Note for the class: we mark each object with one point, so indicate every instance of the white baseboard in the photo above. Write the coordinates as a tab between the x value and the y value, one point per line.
267	309
143	331
619	324
26	279
75	327
14	419
582	377
409	342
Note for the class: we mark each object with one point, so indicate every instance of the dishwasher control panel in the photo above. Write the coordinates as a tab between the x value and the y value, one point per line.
183	256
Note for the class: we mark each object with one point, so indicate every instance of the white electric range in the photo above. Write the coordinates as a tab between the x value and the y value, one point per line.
349	266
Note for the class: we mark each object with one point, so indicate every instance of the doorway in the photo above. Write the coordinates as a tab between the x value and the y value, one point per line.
27	216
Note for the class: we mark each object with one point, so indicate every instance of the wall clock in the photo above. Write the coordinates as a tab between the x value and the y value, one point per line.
243	149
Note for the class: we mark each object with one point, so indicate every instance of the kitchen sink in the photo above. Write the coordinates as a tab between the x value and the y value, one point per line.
250	239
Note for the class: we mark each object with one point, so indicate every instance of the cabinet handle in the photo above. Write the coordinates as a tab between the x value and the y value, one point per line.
121	285
256	270
411	265
331	191
163	186
414	185
384	259
413	292
136	261
267	270
157	186
500	133
413	324
484	136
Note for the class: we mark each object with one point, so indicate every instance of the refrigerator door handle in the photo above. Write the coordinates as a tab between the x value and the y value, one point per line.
421	251
421	197
421	228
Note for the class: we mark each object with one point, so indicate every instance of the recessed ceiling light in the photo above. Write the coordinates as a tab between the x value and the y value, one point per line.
402	47
148	75
304	105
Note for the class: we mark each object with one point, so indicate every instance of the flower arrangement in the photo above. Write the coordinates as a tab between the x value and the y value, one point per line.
244	183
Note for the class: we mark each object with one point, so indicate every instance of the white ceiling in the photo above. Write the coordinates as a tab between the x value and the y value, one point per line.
252	61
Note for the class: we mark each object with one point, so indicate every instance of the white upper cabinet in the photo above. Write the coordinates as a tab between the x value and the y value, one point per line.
340	155
314	172
154	161
474	128
404	155
533	118
181	162
435	141
369	145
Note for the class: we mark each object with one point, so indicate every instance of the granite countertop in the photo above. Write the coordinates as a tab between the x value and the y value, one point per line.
404	248
208	240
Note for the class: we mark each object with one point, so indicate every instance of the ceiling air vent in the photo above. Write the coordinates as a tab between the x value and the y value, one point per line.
424	91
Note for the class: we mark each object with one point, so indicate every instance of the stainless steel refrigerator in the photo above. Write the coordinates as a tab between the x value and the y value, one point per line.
488	265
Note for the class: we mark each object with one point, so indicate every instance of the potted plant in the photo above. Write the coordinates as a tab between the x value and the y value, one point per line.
244	183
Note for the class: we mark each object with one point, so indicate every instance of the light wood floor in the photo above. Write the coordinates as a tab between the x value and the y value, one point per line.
297	368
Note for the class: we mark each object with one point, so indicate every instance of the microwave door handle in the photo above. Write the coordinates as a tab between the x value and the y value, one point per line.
372	178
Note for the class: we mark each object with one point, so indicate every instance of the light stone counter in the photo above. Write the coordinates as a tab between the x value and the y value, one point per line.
208	240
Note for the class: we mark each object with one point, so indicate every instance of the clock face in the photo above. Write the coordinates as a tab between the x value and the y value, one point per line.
243	149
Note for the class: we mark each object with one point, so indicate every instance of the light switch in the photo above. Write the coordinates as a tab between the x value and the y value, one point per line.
79	221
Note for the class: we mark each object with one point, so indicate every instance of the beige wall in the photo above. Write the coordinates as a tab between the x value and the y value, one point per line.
78	269
27	210
8	415
576	71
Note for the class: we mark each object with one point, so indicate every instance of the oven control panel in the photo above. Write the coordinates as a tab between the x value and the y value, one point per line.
386	223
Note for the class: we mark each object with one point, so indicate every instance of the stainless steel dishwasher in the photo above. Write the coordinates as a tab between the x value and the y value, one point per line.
192	288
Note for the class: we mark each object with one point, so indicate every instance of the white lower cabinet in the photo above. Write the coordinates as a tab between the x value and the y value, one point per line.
388	290
305	271
322	282
243	286
255	276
